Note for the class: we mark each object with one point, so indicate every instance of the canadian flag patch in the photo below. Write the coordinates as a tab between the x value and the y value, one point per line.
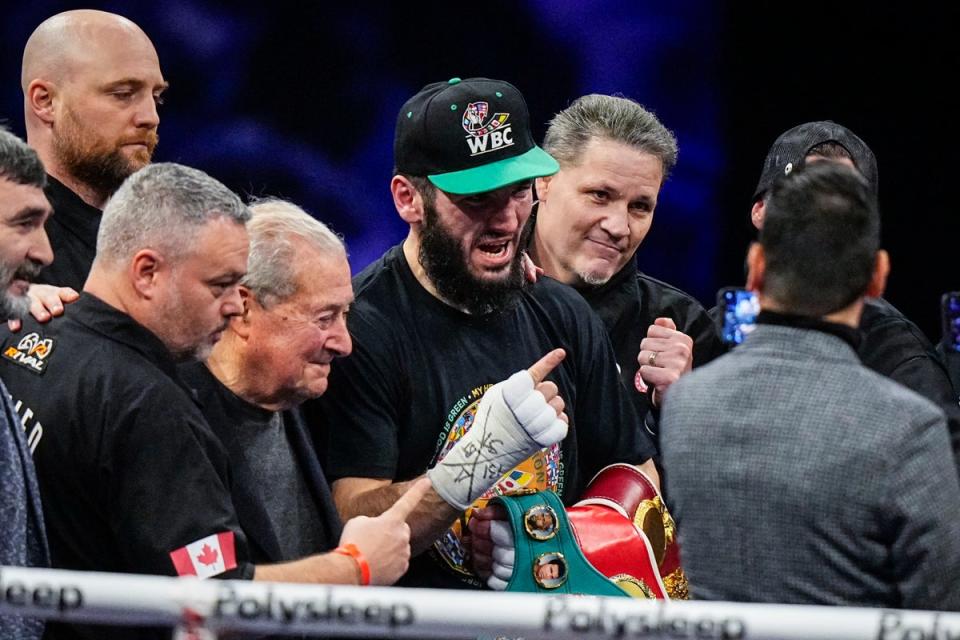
206	557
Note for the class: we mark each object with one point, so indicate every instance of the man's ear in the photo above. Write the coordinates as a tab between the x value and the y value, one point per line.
40	100
758	213
756	267
878	280
543	187
407	200
145	268
242	324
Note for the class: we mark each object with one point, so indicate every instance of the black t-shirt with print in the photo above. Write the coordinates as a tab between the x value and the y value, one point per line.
419	367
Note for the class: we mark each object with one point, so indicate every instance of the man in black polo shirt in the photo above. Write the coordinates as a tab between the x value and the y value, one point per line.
444	315
131	478
131	475
91	82
591	218
891	344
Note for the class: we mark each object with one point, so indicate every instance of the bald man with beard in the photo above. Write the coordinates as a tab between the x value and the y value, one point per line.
91	83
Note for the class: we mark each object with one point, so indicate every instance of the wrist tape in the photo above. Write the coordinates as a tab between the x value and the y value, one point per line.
513	422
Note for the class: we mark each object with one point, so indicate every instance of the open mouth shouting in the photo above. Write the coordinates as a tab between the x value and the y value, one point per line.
494	252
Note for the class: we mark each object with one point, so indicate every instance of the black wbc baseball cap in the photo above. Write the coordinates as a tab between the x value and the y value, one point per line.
793	146
469	136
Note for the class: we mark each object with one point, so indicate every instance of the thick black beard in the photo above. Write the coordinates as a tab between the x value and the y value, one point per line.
442	258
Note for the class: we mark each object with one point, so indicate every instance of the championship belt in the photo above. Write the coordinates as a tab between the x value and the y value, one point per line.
547	557
626	532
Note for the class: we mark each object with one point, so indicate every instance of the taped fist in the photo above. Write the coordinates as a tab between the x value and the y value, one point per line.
515	419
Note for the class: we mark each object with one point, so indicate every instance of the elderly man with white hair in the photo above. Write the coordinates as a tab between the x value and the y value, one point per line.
275	354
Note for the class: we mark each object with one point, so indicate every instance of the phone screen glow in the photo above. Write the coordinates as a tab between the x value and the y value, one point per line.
740	309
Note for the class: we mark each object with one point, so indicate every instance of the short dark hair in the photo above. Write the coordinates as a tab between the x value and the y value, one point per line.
18	162
832	151
820	238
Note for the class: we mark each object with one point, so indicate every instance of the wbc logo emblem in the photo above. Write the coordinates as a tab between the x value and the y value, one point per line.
486	134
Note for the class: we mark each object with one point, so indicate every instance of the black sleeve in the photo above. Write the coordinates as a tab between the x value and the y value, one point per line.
898	350
716	316
695	321
608	427
167	484
707	345
359	437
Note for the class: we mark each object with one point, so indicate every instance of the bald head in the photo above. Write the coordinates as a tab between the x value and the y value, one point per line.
91	83
73	40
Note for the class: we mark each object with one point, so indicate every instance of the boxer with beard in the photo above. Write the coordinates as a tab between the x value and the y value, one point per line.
447	313
442	258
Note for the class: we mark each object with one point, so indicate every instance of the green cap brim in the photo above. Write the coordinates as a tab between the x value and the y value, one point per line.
532	164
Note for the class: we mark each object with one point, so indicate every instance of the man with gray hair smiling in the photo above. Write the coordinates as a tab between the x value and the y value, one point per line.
593	214
274	355
131	476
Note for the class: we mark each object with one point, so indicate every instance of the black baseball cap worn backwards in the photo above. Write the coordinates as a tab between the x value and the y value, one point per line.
793	146
469	136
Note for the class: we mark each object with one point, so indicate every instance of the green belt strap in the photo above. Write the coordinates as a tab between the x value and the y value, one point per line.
542	536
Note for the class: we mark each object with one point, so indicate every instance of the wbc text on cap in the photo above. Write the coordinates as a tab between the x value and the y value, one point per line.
469	136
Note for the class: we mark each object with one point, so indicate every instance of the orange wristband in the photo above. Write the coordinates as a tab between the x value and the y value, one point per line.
352	551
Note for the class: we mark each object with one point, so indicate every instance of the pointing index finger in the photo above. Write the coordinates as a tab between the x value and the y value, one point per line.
542	367
410	499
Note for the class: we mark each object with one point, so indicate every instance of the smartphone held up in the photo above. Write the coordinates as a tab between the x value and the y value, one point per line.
740	309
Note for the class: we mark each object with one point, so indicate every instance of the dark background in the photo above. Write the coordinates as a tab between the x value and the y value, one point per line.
298	99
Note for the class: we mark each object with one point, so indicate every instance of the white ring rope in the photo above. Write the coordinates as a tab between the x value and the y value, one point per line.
391	612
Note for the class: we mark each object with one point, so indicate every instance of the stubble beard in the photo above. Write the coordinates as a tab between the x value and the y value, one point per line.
179	331
97	164
16	306
593	278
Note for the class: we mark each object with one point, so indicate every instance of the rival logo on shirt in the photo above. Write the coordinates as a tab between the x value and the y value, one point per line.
206	557
486	135
32	352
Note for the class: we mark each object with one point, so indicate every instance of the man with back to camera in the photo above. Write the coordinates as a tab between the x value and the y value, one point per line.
131	475
443	315
891	344
24	250
825	482
91	83
591	217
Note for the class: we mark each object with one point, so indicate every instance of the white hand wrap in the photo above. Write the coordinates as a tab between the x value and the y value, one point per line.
513	422
504	555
